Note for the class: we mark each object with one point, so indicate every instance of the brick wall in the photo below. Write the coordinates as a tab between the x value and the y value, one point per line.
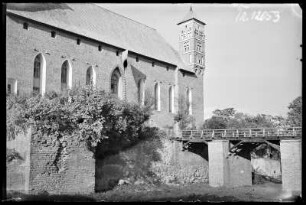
291	162
73	173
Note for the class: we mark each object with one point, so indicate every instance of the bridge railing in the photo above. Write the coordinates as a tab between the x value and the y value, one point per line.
242	133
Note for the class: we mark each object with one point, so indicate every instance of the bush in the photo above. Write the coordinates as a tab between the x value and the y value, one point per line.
82	114
185	120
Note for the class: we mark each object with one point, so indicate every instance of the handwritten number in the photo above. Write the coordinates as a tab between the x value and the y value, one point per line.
259	16
277	16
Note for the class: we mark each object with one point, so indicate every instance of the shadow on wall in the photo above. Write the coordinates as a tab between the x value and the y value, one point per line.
133	163
200	149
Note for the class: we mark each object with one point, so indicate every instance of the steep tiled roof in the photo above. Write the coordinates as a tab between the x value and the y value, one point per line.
102	25
190	15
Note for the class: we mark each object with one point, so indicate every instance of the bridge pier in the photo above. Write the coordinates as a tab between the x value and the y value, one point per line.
291	164
227	170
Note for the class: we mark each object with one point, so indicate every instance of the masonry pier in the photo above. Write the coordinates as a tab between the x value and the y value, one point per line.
291	164
225	169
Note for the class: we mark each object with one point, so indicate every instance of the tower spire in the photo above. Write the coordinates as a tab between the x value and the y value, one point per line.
190	15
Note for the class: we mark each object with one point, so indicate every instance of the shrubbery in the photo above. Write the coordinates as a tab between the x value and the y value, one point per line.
82	114
182	117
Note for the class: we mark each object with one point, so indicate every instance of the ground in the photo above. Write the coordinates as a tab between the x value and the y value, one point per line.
200	192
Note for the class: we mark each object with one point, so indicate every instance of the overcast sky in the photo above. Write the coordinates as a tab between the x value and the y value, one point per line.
252	64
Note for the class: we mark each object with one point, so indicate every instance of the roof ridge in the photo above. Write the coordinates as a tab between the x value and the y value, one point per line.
100	7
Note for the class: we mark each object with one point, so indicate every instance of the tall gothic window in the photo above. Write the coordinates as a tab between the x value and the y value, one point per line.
171	99
157	96
189	101
141	91
116	83
64	76
90	76
39	76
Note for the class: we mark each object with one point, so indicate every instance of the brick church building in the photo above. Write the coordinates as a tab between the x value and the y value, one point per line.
53	47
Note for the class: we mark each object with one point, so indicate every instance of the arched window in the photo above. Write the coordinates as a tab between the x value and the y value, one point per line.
66	76
116	83
157	96
90	76
39	77
141	91
189	101
171	99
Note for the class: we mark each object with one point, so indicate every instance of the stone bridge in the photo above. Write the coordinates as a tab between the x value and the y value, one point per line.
229	153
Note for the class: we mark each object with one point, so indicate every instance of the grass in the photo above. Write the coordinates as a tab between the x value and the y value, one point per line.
199	192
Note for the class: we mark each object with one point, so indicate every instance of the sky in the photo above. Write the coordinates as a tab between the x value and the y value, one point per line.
252	51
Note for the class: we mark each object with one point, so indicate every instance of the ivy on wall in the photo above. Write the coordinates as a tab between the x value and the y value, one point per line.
82	114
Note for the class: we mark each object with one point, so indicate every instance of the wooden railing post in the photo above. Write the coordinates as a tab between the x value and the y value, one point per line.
237	133
224	133
263	132
250	133
213	134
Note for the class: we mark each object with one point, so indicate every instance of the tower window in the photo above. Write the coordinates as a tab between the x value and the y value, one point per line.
199	47
78	41
25	25
100	48
186	46
53	34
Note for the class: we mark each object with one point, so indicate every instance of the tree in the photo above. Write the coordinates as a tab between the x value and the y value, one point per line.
230	119
225	113
215	122
295	112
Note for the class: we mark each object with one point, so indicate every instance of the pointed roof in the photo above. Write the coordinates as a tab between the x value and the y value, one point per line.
190	15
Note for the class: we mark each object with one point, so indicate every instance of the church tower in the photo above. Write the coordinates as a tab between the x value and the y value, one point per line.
192	42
